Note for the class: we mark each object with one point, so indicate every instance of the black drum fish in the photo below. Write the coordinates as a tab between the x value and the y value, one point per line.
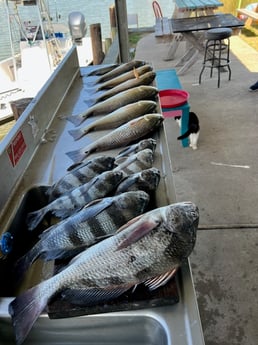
148	246
95	222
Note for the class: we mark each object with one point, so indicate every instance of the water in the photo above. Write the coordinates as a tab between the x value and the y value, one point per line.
95	11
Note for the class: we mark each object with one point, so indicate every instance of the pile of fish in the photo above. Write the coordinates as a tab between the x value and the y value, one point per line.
105	228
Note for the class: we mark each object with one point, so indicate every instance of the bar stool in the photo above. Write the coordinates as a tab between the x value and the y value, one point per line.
217	51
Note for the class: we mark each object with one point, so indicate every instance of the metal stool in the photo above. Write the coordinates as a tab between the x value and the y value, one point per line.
217	51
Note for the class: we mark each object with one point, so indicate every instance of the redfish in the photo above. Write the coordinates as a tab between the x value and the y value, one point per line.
121	136
120	69
146	247
138	93
144	79
116	118
124	77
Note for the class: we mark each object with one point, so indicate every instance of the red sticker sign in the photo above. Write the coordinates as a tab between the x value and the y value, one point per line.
16	148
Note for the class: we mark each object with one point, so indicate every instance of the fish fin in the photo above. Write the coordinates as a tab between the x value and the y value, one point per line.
90	102
76	133
96	206
74	166
64	213
91	88
88	297
34	218
120	160
136	73
24	310
77	155
158	281
139	229
126	151
76	119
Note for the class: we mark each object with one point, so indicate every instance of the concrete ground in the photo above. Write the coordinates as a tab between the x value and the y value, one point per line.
221	177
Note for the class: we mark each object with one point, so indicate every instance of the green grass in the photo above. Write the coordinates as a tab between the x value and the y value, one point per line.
250	36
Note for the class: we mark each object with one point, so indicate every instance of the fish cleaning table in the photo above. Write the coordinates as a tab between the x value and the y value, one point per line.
33	155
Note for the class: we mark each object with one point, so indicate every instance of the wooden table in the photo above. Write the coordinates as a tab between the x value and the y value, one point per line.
193	30
189	8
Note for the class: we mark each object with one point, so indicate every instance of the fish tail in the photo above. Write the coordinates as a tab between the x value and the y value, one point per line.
23	264
78	155
34	218
77	133
76	119
24	310
90	102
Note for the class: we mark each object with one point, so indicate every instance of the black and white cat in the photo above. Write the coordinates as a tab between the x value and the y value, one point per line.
193	130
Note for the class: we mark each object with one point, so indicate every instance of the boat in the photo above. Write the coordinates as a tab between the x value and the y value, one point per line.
41	44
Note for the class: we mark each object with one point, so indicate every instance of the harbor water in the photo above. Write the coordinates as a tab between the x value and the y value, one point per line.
95	11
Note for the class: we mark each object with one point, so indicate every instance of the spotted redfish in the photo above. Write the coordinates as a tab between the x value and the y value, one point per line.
121	136
144	79
124	77
72	201
121	69
96	221
146	247
138	93
116	118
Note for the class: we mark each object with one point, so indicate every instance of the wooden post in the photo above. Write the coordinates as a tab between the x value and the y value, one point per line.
122	27
108	43
96	42
112	18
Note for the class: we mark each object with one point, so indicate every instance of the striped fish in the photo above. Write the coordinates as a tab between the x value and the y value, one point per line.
80	175
146	180
140	145
73	201
96	221
139	161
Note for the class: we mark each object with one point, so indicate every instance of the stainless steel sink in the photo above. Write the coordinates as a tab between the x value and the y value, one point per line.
100	330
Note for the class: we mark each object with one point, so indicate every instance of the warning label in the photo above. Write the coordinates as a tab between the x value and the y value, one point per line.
16	149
